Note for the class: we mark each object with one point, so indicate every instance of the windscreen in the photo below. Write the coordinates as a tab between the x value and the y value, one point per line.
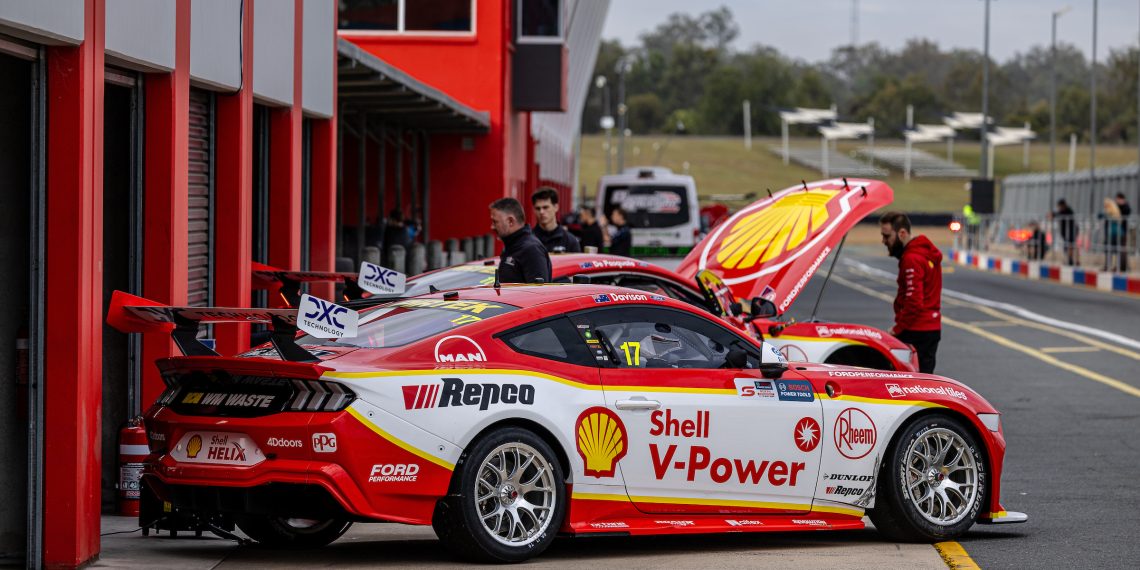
650	206
407	321
457	277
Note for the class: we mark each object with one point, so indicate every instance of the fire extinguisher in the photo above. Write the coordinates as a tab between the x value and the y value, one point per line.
22	343
133	450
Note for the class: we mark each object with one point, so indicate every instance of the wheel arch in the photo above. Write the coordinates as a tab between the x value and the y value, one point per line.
539	430
957	415
860	355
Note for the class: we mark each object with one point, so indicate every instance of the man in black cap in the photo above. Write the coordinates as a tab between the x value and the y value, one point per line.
524	259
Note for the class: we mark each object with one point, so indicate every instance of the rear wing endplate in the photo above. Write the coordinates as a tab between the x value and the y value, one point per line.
372	279
132	314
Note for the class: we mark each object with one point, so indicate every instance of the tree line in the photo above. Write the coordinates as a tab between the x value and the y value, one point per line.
687	70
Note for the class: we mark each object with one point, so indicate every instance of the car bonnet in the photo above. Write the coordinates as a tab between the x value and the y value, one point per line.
771	248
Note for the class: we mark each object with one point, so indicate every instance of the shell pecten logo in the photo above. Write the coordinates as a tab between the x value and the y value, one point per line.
783	226
194	446
601	441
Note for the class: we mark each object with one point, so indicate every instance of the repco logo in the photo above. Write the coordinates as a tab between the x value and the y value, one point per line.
454	393
854	433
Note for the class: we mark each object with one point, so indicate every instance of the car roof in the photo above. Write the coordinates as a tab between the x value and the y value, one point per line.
528	295
566	264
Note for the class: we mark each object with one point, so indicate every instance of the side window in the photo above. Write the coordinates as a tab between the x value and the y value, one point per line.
650	337
647	284
555	339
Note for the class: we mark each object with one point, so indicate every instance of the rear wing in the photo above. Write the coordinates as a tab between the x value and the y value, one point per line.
371	279
317	317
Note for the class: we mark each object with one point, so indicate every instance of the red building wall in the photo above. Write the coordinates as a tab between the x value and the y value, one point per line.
476	72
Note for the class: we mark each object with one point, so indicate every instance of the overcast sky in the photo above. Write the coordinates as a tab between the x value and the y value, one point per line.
810	29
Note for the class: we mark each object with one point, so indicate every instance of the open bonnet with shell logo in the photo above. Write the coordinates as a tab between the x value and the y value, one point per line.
771	248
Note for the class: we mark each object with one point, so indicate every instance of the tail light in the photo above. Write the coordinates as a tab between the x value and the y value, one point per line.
317	396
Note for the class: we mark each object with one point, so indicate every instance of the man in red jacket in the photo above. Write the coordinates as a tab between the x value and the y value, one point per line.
918	304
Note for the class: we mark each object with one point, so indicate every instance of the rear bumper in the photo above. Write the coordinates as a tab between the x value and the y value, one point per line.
295	480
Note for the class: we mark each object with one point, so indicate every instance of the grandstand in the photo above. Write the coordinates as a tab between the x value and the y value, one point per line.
838	164
922	163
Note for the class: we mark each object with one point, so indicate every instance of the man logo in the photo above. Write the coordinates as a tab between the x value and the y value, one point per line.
458	348
768	233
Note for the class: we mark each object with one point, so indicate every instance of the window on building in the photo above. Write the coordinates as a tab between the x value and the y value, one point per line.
540	20
408	16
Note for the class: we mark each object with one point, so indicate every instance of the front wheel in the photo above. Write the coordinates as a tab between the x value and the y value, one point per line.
292	533
507	501
933	482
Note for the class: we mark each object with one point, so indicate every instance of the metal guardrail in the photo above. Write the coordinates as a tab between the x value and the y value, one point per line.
1091	242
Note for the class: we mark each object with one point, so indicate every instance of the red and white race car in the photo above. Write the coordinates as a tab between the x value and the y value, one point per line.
761	258
503	416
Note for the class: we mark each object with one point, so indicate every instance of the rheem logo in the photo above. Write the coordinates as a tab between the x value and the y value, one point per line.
855	433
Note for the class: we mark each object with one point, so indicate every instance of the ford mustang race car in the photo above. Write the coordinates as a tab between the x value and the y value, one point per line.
504	416
763	256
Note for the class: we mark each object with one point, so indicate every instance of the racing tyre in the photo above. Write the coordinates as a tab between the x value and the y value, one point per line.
932	483
294	534
507	500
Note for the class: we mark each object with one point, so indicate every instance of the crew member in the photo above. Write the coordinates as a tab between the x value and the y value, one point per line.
918	303
524	259
621	243
547	229
591	230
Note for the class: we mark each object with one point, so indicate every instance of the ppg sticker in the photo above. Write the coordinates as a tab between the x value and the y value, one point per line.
381	280
323	319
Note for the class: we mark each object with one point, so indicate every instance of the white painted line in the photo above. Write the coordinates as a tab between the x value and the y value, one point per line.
1014	309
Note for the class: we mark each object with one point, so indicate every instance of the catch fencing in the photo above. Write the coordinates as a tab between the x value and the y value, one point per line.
1092	242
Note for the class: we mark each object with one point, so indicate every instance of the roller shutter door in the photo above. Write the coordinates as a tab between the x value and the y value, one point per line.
201	191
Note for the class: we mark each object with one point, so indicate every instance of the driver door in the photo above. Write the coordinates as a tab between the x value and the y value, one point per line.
703	438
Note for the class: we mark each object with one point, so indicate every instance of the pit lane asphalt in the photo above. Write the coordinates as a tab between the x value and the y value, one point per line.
1072	454
1071	460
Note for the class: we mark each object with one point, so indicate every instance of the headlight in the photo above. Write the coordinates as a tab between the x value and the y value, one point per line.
902	354
991	421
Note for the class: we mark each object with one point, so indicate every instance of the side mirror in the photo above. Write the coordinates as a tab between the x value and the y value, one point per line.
762	308
772	363
735	308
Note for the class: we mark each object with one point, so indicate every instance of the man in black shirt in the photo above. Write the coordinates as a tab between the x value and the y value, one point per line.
591	231
1068	227
524	259
622	241
1122	245
546	228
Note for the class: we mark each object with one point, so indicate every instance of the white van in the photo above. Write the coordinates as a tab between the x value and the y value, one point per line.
661	208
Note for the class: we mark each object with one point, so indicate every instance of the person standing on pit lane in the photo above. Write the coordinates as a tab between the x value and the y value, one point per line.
524	259
546	228
918	303
591	229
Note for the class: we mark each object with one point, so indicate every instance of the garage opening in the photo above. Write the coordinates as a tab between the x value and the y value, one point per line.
17	158
260	225
122	226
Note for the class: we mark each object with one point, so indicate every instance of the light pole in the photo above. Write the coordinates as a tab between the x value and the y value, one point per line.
622	67
1053	109
607	120
1092	124
985	94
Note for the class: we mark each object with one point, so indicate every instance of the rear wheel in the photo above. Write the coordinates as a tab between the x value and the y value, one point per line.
508	499
292	533
932	483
